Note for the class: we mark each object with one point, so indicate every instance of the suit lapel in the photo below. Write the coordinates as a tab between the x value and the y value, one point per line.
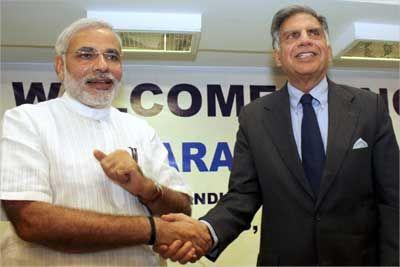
277	122
343	117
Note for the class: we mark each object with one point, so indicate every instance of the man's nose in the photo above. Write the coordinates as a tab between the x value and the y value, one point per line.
100	64
305	38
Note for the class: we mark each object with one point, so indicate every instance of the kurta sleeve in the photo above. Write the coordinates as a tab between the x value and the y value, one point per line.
24	167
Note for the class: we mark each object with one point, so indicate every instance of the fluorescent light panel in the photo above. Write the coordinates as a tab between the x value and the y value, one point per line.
376	31
158	22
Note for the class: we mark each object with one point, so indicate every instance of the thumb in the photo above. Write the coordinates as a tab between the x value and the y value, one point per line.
99	155
172	217
168	217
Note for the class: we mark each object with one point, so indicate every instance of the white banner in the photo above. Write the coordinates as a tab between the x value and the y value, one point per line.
194	110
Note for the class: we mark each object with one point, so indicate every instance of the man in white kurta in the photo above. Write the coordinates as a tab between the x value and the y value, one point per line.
46	157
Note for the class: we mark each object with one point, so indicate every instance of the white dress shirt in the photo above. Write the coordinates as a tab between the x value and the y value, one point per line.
320	105
46	154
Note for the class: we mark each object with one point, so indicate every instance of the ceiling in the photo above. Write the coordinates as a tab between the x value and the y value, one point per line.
234	33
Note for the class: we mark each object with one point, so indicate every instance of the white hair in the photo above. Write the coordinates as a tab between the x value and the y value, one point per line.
289	11
64	38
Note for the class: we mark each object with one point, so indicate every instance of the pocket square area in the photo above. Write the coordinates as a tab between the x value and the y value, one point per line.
360	143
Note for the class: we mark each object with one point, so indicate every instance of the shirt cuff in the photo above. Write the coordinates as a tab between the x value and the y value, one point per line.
213	235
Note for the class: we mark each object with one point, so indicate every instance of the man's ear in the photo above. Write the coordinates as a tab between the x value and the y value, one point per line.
59	67
330	54
277	57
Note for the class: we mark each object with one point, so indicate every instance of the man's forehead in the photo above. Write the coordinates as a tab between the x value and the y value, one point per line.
98	38
299	28
300	21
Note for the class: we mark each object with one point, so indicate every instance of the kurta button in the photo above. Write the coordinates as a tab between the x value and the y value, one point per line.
317	217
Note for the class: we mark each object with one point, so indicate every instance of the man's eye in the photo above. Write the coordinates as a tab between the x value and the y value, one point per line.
293	35
314	32
86	55
112	56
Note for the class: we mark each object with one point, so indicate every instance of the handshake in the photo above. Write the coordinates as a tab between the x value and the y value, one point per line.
181	238
177	237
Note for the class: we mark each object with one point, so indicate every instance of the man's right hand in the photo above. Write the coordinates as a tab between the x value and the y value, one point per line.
182	238
117	165
120	167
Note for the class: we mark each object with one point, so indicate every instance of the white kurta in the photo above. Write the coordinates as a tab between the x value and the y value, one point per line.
46	154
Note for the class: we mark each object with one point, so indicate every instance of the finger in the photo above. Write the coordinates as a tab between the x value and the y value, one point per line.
183	252
194	258
204	238
99	155
191	256
202	246
172	249
160	249
199	250
199	244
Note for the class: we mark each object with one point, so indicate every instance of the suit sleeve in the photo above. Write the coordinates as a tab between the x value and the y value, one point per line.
235	210
385	159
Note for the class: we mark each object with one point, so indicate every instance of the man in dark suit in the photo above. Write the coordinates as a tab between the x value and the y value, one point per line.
320	158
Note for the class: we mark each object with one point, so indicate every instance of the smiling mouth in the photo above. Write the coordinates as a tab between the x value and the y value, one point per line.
307	54
100	84
101	81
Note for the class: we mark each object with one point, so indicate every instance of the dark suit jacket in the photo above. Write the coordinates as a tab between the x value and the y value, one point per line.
354	218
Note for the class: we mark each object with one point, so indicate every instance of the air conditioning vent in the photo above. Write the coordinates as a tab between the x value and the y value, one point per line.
369	41
171	36
157	42
373	50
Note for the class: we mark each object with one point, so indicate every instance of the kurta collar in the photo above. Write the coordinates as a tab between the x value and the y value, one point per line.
85	111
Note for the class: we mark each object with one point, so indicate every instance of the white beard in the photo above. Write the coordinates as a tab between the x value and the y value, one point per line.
93	98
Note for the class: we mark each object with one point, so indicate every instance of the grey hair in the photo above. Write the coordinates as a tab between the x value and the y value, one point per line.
64	38
289	11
